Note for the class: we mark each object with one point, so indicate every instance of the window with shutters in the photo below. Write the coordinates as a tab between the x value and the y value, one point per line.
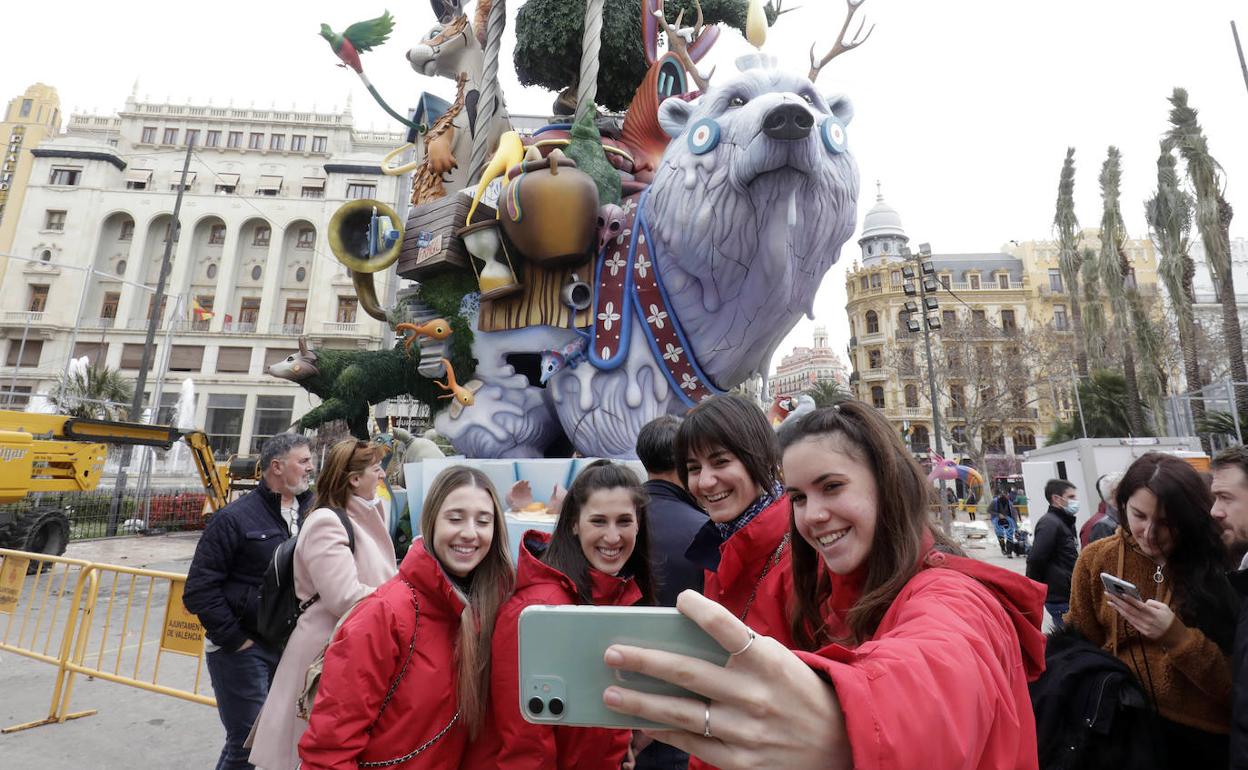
127	231
108	309
149	135
920	439
256	142
235	140
1055	281
912	396
277	141
297	142
1008	324
356	190
273	415
249	310
131	355
306	236
151	307
192	137
319	143
973	280
186	358
171	136
877	397
94	351
1003	280
212	139
216	235
232	360
262	236
28	354
346	310
66	177
37	300
224	423
54	220
296	309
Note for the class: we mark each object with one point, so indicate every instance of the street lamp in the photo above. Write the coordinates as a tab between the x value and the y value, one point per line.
925	290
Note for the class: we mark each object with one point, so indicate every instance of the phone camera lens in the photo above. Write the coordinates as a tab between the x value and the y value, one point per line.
556	706
536	706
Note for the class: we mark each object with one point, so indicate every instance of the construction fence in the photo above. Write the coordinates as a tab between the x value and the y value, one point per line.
86	515
113	623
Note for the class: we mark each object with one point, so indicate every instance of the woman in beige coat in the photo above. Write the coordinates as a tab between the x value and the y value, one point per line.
325	565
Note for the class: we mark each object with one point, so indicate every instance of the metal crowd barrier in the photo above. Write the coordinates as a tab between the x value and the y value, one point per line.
161	651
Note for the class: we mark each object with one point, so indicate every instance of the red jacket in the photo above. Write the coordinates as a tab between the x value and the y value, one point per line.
511	742
361	665
742	561
943	681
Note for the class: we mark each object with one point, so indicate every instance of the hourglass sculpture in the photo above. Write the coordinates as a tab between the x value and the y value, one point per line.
484	242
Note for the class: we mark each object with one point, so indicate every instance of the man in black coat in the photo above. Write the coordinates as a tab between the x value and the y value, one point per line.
222	586
1054	550
673	518
1230	511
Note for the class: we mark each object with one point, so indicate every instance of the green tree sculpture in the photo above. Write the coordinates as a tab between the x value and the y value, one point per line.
548	42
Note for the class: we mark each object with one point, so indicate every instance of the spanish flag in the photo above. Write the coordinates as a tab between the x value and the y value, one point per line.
198	310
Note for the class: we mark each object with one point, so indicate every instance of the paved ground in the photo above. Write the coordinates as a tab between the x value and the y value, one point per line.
135	729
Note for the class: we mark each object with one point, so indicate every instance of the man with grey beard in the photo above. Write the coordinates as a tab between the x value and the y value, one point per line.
223	585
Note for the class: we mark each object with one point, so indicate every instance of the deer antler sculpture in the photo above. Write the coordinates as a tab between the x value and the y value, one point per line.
679	41
841	46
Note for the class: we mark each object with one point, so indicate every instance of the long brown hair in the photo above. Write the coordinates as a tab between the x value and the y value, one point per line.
492	583
333	487
903	519
565	553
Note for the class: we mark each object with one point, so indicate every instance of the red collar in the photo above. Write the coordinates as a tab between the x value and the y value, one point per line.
425	573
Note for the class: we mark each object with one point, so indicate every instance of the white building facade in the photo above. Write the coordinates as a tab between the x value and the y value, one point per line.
251	270
804	367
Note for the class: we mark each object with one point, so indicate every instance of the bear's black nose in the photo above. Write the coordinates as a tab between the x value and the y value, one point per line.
788	121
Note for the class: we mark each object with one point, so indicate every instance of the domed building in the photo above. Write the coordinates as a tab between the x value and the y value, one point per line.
882	233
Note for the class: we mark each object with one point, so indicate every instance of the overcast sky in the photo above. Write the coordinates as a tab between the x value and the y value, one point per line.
963	110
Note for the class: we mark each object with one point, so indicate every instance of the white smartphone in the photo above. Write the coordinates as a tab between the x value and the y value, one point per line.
1119	587
563	676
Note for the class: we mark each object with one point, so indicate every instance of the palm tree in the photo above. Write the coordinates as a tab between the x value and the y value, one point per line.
1115	271
1213	219
827	393
1095	326
1070	258
1103	400
93	392
1169	215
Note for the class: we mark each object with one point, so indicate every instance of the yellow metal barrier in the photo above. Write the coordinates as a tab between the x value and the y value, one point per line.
37	615
161	652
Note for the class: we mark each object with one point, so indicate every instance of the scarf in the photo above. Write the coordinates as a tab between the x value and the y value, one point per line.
730	528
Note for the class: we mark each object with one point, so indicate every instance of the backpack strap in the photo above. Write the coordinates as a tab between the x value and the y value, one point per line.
346	524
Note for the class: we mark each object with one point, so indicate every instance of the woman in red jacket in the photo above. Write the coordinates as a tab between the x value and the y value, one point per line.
728	459
598	554
908	653
406	674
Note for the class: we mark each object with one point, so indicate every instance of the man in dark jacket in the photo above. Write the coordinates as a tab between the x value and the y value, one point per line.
1230	510
223	584
1054	551
673	519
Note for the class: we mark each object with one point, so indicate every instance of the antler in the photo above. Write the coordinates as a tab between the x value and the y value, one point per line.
841	46
677	44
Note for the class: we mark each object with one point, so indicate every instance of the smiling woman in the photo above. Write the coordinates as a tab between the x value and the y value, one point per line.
905	653
598	554
374	706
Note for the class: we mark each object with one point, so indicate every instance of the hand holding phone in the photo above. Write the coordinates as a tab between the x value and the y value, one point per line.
1116	586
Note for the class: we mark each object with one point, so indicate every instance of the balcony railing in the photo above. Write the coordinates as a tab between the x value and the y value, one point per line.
24	316
239	327
97	323
287	330
338	327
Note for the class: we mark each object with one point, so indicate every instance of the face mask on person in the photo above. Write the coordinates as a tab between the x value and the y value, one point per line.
1072	507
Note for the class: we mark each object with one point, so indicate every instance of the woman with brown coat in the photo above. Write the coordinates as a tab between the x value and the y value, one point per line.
1177	641
326	566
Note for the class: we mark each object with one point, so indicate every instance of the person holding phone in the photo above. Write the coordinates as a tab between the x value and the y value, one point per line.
908	654
598	554
338	568
728	459
1177	640
406	676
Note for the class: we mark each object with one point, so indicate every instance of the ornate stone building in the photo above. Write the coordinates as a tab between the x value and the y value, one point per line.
803	367
1018	288
251	269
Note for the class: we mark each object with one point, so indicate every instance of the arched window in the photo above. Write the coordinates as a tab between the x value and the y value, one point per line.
877	396
873	322
920	439
1024	440
912	396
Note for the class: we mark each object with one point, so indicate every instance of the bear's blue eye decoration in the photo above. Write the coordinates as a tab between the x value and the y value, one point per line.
703	136
833	133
